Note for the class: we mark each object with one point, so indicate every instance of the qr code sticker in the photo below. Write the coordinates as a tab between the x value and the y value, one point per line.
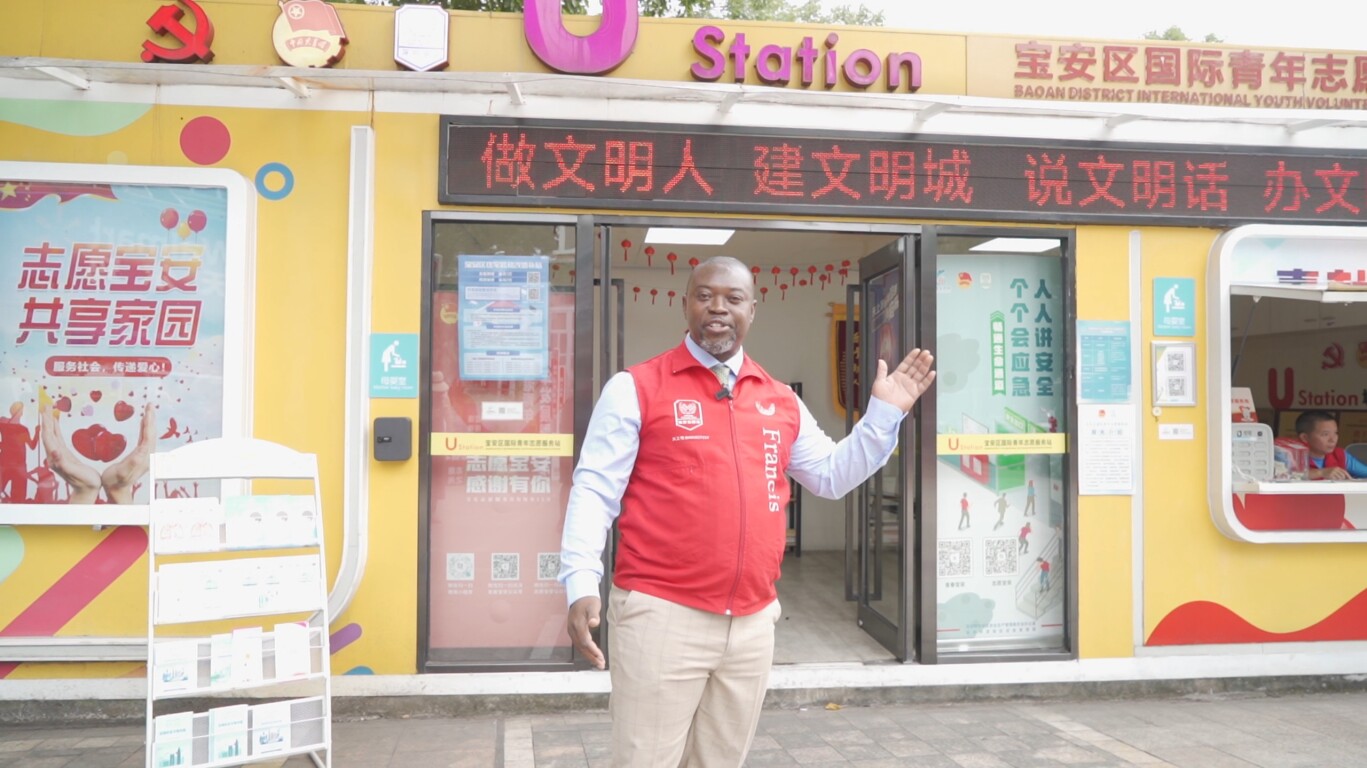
1177	387
1002	557
954	558
460	566
1177	363
506	566
547	566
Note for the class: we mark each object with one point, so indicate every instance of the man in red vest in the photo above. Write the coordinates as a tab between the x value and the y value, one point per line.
690	454
1320	431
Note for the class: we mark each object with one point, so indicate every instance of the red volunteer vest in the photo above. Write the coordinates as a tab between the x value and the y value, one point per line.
704	517
1339	458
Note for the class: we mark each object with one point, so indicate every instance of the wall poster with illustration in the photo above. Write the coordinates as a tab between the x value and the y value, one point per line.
125	334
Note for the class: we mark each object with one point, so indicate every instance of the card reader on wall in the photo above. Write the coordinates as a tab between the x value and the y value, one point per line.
393	438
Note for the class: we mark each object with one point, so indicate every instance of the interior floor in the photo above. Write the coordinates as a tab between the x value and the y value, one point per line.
818	624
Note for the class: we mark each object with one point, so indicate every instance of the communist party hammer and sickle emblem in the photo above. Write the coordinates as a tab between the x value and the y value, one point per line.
193	45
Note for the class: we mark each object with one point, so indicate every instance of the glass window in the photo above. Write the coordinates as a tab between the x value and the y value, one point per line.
1001	484
501	415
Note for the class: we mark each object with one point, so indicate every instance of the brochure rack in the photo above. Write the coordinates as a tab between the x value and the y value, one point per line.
259	561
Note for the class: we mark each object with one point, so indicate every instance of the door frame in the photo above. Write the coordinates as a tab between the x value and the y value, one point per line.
926	643
894	633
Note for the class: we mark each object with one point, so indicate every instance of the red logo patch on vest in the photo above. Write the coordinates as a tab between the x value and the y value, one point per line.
687	414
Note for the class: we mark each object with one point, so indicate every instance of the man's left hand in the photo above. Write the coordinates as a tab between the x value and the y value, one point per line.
907	382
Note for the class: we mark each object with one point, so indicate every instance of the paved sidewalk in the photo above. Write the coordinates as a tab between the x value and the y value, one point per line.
1218	731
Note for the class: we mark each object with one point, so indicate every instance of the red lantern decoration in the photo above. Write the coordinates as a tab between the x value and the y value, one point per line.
650	251
825	279
802	283
812	271
776	272
653	293
672	257
626	247
763	292
671	298
844	273
783	288
793	272
754	271
845	264
693	262
636	292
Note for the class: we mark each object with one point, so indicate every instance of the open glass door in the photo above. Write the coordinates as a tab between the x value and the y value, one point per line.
885	505
998	539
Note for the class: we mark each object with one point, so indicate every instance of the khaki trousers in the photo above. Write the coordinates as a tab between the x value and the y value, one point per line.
687	685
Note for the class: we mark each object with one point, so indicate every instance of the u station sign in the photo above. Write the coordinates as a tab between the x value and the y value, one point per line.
547	163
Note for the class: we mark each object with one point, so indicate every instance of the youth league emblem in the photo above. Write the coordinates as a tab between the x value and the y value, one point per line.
687	414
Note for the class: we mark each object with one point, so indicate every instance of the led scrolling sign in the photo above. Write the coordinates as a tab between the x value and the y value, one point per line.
493	161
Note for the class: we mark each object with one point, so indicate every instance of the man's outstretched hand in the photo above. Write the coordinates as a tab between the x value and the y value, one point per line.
583	619
907	382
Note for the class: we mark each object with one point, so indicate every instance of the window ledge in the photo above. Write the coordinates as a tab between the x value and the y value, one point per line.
1305	487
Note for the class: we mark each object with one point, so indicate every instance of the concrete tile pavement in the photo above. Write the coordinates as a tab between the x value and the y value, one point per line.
1235	730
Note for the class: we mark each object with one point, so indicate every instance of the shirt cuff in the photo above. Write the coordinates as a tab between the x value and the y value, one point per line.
581	584
883	414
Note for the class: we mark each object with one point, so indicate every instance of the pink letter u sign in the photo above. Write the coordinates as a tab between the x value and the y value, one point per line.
592	54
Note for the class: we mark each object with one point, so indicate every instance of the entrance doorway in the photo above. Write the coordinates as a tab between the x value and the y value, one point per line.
883	575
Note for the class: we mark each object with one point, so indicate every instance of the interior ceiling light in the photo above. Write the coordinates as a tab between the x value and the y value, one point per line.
1018	245
688	236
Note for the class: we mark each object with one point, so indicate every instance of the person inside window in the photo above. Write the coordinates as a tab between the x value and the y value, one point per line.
1320	431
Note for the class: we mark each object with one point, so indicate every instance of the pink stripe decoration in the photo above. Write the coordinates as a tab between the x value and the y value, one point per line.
75	590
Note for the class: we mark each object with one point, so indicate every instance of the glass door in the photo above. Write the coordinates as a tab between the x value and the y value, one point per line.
885	507
998	537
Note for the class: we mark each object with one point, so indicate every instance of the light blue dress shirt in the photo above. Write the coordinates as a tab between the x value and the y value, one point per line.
821	465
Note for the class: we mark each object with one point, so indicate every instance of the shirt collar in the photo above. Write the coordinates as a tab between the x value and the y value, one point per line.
706	359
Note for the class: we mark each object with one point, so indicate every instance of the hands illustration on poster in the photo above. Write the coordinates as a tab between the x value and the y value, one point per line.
83	480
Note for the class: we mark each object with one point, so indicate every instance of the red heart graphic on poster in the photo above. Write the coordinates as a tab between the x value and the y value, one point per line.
63	404
122	411
96	395
98	444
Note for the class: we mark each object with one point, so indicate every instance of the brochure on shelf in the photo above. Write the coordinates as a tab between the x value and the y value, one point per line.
173	739
228	732
292	657
220	659
270	520
187	525
247	666
270	728
175	668
215	589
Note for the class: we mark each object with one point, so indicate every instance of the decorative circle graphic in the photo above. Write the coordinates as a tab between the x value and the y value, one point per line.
286	181
205	140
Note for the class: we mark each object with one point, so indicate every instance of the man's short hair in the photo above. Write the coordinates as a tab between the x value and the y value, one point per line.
1306	422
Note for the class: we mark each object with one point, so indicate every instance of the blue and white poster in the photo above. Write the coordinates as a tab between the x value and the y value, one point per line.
504	310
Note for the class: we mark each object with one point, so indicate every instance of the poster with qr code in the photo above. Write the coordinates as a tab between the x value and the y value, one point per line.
1174	373
547	566
954	558
460	566
505	566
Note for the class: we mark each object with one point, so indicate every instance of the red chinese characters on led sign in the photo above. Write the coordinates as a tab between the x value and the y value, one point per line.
703	169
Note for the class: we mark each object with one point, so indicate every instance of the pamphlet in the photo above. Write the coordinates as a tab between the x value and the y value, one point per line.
220	659
292	657
246	656
173	739
228	732
187	525
270	728
176	668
